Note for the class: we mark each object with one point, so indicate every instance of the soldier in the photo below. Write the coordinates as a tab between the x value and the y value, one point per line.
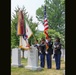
49	53
42	48
57	52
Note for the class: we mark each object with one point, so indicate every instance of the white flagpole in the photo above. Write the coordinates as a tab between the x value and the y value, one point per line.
20	43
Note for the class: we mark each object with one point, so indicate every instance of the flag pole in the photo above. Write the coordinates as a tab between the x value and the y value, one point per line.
20	41
34	38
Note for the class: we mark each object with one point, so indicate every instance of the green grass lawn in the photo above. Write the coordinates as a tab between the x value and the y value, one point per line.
45	71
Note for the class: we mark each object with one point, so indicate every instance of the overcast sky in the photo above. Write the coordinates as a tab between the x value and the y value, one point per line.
30	5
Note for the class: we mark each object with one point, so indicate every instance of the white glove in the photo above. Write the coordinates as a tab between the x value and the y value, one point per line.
46	52
40	51
54	46
57	45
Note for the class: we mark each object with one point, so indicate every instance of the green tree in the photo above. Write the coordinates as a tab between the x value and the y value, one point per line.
53	34
14	37
55	10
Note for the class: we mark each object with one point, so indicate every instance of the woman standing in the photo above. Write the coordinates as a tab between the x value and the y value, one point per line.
57	52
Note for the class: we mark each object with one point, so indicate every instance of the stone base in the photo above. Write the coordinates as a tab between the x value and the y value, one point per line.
16	65
33	68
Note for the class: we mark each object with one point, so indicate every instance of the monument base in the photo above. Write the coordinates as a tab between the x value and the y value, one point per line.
17	65
33	68
33	59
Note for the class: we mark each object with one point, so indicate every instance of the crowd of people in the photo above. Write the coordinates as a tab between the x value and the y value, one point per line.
46	48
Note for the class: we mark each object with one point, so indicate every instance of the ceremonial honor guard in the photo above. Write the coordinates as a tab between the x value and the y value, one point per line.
42	48
49	53
57	51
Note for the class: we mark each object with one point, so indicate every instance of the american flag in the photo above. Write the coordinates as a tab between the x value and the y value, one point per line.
45	23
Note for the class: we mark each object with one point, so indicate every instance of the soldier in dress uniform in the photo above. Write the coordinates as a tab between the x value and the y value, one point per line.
57	52
42	48
49	53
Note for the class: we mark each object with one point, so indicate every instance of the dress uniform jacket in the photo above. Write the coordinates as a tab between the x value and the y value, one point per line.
42	48
57	49
50	49
57	54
